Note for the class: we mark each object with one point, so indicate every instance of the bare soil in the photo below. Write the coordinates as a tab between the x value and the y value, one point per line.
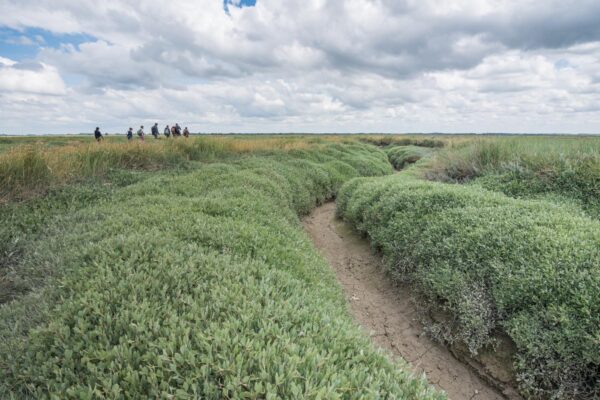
387	313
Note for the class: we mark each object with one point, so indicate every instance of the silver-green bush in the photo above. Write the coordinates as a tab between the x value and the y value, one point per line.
199	286
402	156
530	268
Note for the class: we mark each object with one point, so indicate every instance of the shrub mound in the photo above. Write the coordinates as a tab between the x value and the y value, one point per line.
527	167
201	285
529	268
401	156
30	167
403	140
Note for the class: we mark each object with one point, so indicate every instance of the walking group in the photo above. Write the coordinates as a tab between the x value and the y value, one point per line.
174	131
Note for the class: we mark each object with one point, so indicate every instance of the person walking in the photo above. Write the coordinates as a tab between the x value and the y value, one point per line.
130	134
174	131
155	131
178	129
186	132
98	135
141	133
167	131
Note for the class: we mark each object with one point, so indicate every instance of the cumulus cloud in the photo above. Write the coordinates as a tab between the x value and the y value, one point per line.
32	77
356	65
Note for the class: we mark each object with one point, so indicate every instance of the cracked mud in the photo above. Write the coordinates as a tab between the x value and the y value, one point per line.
386	312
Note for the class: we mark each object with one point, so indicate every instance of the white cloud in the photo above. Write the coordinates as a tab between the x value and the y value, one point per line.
6	62
21	40
357	65
36	78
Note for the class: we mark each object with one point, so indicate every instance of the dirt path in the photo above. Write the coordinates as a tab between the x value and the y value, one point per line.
385	311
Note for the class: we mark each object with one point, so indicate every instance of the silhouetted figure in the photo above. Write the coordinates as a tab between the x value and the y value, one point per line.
155	131
167	131
130	134
98	135
141	133
186	132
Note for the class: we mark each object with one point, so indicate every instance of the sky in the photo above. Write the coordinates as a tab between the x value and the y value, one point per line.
313	66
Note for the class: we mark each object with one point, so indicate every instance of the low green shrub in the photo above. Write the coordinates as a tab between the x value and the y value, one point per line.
401	140
527	167
401	156
490	262
24	223
40	164
202	285
579	183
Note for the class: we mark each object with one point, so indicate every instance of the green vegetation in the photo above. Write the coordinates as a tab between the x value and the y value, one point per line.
31	170
187	284
10	142
562	168
408	140
24	223
490	263
402	156
178	268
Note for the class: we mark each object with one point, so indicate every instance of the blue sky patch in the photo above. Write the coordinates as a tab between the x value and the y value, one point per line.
238	3
562	64
25	45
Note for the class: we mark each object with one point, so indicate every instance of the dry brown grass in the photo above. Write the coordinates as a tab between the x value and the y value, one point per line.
31	169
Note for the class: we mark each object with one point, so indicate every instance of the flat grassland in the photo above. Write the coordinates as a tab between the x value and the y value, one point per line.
178	268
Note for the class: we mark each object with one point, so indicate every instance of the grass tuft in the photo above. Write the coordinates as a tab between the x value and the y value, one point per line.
526	167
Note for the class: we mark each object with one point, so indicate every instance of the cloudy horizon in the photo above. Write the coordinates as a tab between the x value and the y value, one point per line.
245	66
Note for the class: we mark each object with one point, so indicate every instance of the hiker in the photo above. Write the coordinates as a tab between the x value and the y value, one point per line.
98	135
167	131
130	134
186	132
155	131
141	133
178	129
174	131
